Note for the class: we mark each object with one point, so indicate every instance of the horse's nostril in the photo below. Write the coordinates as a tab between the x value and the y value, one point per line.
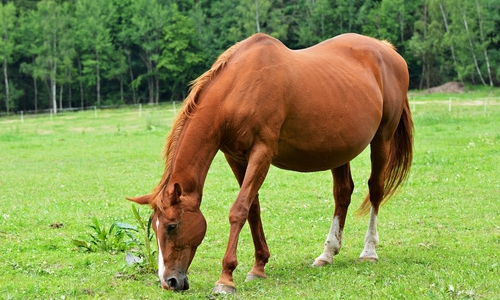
175	283
172	283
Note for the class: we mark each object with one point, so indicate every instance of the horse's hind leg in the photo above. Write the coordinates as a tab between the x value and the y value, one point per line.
261	249
259	240
343	187
379	158
371	238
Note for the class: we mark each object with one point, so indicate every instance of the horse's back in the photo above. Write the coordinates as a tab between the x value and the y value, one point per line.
323	104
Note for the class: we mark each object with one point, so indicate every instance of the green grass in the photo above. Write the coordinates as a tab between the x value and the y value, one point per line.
439	237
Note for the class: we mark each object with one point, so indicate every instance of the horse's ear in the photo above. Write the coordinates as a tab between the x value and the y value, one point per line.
177	193
141	200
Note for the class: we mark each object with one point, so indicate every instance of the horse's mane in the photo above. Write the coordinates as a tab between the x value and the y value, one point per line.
388	44
189	107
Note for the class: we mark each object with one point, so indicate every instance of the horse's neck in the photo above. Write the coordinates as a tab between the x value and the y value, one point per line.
196	148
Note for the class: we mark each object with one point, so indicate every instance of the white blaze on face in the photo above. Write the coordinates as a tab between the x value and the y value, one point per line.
161	264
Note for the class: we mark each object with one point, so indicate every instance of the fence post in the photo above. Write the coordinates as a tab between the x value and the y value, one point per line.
22	117
140	110
95	111
51	114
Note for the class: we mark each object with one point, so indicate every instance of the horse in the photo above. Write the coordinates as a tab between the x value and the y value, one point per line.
306	110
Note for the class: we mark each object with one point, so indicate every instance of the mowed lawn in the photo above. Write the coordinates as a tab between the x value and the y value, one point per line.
439	237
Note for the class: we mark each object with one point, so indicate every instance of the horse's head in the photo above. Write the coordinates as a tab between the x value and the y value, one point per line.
180	227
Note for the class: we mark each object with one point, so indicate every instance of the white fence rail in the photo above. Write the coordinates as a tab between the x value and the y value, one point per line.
140	109
453	102
450	105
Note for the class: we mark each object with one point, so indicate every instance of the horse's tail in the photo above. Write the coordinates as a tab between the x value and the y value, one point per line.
400	159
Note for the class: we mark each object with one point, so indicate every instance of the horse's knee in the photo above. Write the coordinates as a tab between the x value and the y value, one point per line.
238	216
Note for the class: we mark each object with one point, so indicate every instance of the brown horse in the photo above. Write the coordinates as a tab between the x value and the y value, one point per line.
306	110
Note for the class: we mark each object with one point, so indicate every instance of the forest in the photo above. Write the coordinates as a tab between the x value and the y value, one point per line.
72	54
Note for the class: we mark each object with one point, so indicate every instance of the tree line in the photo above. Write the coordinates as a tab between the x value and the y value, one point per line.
80	53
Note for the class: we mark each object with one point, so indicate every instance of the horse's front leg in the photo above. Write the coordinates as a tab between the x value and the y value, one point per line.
258	165
343	187
259	239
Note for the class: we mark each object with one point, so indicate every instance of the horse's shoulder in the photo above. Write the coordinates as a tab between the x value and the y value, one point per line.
259	50
262	38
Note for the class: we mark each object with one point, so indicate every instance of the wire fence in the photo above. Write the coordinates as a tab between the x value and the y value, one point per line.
450	105
141	108
453	103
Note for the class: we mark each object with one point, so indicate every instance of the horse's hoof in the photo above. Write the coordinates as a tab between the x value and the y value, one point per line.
320	263
252	277
223	289
370	259
369	255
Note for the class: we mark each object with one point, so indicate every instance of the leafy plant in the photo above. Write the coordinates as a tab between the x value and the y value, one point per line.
113	239
146	255
120	237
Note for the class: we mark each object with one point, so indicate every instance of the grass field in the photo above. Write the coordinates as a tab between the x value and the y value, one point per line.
439	237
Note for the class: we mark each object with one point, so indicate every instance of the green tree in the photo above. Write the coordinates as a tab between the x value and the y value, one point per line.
121	34
180	51
336	17
23	5
8	22
223	17
118	70
29	45
317	20
96	48
471	31
67	53
430	48
147	32
204	35
392	20
257	16
306	27
50	23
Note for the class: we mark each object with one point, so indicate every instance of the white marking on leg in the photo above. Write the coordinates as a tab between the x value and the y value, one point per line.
371	238
161	264
332	244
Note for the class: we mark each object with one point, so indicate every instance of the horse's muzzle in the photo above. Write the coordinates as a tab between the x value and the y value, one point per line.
175	283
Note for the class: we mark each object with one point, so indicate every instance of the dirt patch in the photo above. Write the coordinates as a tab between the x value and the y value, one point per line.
449	87
56	225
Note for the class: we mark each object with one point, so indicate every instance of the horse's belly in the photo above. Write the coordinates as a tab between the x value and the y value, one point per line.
315	142
312	160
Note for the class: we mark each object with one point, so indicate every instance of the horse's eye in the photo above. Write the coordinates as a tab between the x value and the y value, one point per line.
172	227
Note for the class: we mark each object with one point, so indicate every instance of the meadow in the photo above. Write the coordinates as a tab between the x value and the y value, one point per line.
439	237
